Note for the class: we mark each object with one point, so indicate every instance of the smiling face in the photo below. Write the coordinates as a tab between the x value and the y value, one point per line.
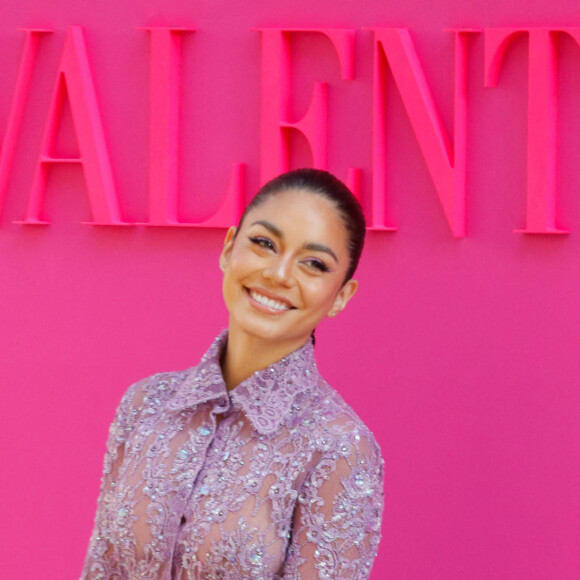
284	269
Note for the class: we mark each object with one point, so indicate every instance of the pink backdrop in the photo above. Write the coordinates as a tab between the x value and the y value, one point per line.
460	354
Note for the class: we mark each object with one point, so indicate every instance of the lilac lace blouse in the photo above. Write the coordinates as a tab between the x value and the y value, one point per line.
278	479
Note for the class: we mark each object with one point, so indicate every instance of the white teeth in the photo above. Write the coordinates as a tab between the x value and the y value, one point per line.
274	304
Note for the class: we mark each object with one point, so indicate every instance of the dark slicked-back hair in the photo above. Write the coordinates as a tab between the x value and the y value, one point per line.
323	183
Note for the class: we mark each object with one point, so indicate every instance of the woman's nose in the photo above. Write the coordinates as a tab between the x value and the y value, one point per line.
280	271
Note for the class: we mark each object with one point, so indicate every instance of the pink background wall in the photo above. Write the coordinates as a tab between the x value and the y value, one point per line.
460	354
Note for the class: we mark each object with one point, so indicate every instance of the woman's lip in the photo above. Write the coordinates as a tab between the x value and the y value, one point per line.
270	296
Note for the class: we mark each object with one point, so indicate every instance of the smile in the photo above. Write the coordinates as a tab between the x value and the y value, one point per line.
269	302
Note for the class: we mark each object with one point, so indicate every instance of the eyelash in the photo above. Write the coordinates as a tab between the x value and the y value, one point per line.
262	242
318	265
267	244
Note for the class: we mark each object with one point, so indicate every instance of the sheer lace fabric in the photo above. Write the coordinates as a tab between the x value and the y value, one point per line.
278	479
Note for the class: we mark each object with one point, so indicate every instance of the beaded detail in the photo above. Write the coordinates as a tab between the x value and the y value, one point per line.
287	485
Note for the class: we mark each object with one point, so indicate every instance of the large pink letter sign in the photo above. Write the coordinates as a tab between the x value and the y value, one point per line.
447	166
456	122
542	116
165	86
17	110
276	96
74	79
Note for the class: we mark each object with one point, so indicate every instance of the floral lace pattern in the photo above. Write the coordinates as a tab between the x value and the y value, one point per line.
278	479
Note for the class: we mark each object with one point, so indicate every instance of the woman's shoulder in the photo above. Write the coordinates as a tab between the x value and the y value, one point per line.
154	390
334	417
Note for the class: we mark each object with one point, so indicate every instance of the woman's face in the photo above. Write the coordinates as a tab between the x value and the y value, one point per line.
284	270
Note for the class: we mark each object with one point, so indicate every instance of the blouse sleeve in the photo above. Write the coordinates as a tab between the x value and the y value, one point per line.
336	528
98	555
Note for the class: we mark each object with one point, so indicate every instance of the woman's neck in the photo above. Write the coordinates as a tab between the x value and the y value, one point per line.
244	355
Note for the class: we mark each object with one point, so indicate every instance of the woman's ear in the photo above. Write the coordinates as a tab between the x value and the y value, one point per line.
342	298
228	246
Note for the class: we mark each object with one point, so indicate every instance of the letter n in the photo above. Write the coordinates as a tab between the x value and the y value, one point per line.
446	165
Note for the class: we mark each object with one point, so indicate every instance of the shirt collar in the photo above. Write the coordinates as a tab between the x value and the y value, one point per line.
266	397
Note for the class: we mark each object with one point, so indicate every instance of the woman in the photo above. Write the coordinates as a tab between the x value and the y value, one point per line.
249	466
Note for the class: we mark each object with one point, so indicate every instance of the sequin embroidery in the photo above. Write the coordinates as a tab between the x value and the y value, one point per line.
287	485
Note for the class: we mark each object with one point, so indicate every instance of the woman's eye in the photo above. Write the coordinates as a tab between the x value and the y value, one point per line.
317	265
262	242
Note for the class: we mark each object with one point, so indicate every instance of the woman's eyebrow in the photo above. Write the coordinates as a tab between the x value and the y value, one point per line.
270	227
321	248
314	246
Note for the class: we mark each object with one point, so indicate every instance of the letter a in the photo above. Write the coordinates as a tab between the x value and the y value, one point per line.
74	80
